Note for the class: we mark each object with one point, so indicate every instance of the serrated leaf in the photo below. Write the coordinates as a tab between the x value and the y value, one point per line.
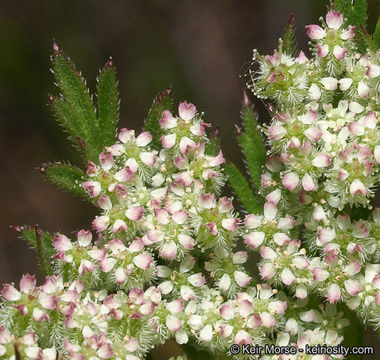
163	101
108	103
41	241
288	44
252	145
66	177
242	189
376	35
213	147
78	105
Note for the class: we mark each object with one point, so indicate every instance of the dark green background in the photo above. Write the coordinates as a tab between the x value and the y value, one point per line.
199	47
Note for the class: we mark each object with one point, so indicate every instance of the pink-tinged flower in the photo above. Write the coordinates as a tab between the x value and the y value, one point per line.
242	337
175	306
161	216
355	107
373	71
268	320
62	243
268	253
93	188
301	58
116	149
287	277
301	291
91	169
245	308
274	196
314	92
167	120
290	181
276	132
307	316
319	214
120	275
321	160
286	223
168	141
352	287
197	280
134	213
125	174
345	83
224	282
333	293
315	32
363	90
49	302
169	250
240	257
173	323
254	321
277	307
357	188
270	210
186	241
308	183
180	162
186	111
144	139
356	128
280	238
199	129
39	315
353	267
267	271
105	202
329	83
348	34
181	337
101	223
143	261
148	158
105	351
207	201
84	237
334	20
320	274
377	153
230	224
107	264
291	326
119	225
106	160
84	266
27	284
126	135
227	311
136	246
252	221
10	293
206	333
313	134
241	278
217	160
186	144
212	228
323	50
326	235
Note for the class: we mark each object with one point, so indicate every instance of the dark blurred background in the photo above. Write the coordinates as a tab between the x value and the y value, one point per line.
199	47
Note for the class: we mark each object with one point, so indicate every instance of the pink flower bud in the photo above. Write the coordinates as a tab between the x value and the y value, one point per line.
106	160
357	188
241	278
10	293
168	141
134	213
167	120
333	293
186	111
276	132
352	287
62	243
287	277
290	181
315	32
334	20
245	308
242	337
320	274
101	223
206	334
143	261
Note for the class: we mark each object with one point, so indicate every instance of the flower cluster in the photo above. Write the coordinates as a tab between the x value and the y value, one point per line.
323	163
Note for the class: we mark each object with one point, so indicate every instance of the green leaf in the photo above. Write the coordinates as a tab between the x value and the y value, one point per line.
376	35
288	44
108	103
80	118
163	101
242	189
66	177
41	241
252	144
356	14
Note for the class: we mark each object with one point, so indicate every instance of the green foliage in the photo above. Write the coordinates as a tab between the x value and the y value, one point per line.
75	109
242	188
108	103
356	14
66	177
163	101
288	44
252	144
376	35
41	241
